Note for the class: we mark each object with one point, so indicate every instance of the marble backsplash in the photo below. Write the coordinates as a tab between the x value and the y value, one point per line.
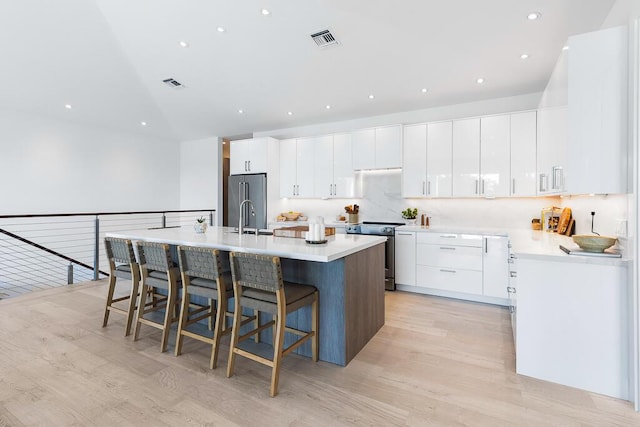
382	201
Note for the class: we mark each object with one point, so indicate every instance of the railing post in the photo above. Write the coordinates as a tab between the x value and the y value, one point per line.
70	274
96	249
164	220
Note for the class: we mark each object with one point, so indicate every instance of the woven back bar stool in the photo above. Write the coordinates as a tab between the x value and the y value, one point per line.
258	284
122	265
201	273
157	270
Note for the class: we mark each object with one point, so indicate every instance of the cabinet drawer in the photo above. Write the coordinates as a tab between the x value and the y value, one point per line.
474	240
449	279
449	256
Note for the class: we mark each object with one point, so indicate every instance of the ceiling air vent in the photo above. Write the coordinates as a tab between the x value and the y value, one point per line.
324	38
172	83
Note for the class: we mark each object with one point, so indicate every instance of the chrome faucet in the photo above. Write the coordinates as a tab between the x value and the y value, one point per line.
241	221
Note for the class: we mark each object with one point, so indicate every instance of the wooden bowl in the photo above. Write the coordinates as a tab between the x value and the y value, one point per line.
291	216
590	243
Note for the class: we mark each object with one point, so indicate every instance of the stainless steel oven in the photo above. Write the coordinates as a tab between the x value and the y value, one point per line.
386	229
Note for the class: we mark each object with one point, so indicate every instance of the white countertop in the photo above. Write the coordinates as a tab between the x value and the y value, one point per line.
338	246
528	244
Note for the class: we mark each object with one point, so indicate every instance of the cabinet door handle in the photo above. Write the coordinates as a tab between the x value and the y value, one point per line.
512	309
557	178
447	271
448	236
513	186
404	234
423	190
543	182
482	187
476	186
249	165
486	245
297	189
335	189
448	248
331	189
428	188
513	274
511	289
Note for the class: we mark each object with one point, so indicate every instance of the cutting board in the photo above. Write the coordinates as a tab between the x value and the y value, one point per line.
299	230
563	222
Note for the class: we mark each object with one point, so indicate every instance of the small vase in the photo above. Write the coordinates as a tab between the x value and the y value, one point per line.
200	227
410	221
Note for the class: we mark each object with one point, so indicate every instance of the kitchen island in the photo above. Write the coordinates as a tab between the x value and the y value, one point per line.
348	271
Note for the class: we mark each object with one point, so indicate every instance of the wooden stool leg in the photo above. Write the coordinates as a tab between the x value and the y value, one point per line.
256	325
217	332
168	316
277	349
143	301
314	328
133	300
235	331
184	315
112	287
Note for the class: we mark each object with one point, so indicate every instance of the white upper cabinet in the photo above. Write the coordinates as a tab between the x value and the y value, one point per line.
597	115
466	158
389	147
296	167
288	180
345	183
523	154
364	149
439	159
377	148
414	161
248	156
551	149
323	166
495	142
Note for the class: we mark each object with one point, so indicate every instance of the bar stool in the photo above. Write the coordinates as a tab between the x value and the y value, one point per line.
157	271
201	273
258	284
123	265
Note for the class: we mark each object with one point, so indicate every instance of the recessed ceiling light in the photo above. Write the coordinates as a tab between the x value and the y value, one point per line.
290	113
479	80
241	111
68	106
265	12
424	90
143	123
220	29
328	107
565	48
532	16
371	96
184	44
524	56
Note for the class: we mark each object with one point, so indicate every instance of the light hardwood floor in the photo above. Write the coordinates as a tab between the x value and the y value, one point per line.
435	362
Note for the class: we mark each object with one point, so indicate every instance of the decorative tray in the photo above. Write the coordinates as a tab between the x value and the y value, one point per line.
316	242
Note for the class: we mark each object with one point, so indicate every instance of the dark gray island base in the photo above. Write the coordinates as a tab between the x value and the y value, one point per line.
351	302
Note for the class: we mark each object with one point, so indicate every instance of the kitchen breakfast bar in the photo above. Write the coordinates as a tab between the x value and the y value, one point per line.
348	271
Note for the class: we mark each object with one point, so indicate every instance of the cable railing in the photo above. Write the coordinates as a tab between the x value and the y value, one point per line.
42	251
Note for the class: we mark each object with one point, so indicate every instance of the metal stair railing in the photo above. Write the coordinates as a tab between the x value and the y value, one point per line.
41	251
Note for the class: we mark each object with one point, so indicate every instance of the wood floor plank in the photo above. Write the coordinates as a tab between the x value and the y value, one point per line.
436	362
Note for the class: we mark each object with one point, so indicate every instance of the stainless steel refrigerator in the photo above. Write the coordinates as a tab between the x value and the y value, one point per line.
254	188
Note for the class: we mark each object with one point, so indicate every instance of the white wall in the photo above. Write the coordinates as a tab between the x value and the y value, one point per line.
200	180
51	166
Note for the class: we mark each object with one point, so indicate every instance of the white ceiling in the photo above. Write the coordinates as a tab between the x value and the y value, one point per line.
107	58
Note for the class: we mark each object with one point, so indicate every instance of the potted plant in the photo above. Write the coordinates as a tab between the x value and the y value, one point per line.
201	225
410	215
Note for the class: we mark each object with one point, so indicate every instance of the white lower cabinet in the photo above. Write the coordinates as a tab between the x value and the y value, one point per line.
405	258
457	265
573	324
